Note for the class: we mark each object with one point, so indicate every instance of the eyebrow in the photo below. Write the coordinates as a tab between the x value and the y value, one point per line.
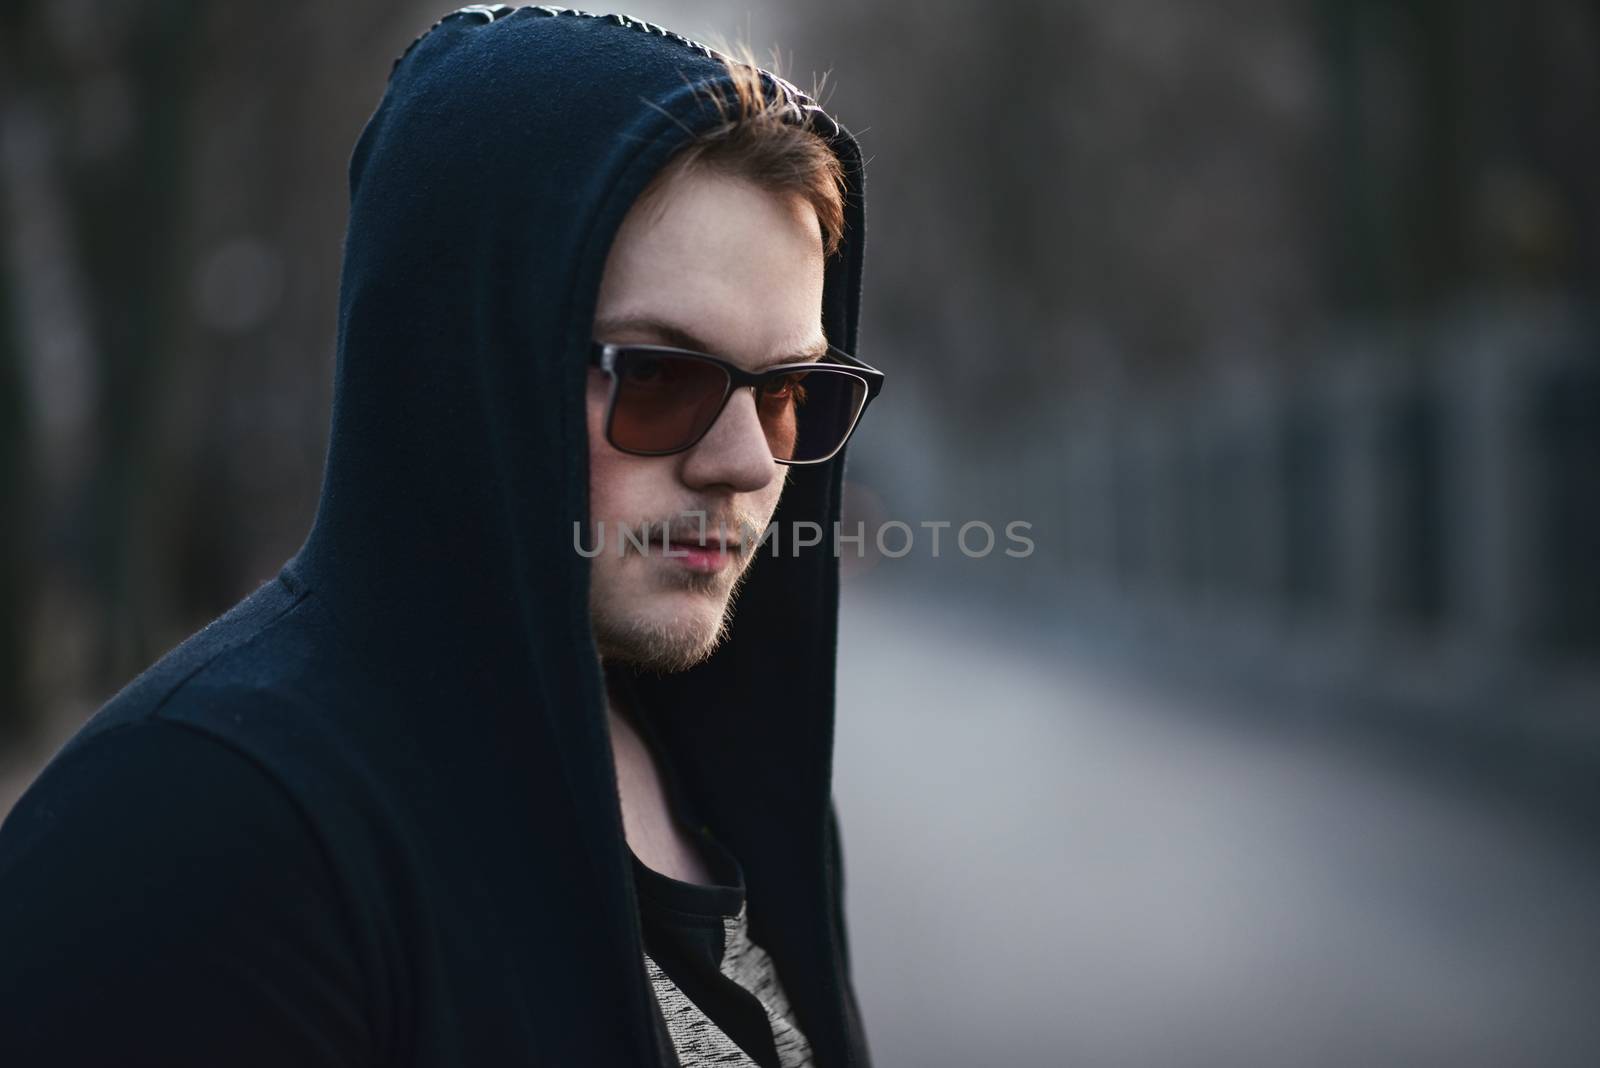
679	337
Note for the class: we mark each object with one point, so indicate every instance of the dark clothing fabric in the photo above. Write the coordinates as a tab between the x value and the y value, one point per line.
719	992
370	816
717	988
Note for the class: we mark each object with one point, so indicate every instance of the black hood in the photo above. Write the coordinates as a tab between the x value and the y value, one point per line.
485	194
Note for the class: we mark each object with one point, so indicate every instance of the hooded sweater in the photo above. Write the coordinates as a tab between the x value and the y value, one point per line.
369	815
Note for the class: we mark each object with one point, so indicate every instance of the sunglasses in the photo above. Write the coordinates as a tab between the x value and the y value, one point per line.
663	400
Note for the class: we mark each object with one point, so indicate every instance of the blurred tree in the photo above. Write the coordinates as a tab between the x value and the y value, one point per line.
110	85
16	594
175	170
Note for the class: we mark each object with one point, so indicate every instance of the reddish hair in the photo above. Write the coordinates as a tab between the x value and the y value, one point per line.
759	140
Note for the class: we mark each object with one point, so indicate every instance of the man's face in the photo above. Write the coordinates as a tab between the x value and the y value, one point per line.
719	265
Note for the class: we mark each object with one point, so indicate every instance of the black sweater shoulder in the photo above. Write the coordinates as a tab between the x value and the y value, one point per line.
164	901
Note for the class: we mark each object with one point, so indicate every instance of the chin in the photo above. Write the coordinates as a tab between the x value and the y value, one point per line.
665	638
661	619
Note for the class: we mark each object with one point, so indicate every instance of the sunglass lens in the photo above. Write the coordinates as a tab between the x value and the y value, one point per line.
808	414
664	401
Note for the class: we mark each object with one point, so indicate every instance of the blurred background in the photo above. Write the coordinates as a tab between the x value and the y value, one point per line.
1274	319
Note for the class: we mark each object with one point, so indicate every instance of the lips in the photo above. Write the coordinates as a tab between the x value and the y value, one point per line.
705	547
697	556
709	545
710	537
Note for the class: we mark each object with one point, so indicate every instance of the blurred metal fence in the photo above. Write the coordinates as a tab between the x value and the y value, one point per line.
1411	515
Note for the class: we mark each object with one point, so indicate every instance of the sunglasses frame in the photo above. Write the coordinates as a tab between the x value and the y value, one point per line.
605	354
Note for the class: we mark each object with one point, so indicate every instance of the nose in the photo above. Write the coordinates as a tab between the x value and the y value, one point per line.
734	453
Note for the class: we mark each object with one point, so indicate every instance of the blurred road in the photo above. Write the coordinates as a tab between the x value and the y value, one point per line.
1049	864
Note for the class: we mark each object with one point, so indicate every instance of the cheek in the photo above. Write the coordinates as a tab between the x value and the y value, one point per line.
766	501
622	488
602	457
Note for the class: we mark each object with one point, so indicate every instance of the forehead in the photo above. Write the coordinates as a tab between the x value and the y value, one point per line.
725	260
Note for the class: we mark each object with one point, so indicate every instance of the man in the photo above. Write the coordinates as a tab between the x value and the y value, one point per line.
481	778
